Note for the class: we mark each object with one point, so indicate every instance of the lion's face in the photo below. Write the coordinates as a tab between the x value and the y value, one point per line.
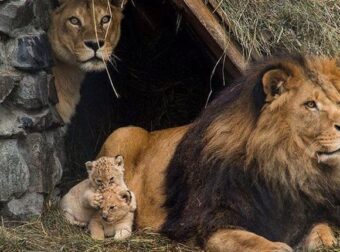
116	204
106	171
307	102
85	32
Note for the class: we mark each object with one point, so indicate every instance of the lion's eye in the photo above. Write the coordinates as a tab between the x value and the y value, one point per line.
311	104
112	207
105	19
74	21
98	181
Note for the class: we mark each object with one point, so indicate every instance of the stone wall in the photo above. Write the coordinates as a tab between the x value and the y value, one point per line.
31	146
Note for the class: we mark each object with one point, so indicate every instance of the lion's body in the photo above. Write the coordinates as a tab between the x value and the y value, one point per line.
80	47
120	217
81	202
259	167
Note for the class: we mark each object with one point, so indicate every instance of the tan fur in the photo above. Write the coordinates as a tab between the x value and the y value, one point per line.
240	240
269	139
81	202
117	208
72	57
321	235
147	156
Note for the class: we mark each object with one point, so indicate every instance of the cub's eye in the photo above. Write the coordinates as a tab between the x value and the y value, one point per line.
112	207
98	181
74	21
105	19
311	104
112	180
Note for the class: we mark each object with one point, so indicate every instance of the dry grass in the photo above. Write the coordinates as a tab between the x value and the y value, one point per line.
263	27
51	233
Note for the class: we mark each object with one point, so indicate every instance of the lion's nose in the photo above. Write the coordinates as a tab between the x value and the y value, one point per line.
337	127
94	45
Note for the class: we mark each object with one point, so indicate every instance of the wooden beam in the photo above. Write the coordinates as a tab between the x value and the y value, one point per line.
213	34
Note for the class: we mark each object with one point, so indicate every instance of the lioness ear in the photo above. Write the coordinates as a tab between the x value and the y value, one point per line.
119	3
89	166
119	160
273	82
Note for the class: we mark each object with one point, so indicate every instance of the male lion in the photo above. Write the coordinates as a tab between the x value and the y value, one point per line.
83	35
257	171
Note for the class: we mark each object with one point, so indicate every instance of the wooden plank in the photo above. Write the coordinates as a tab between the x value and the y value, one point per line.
214	35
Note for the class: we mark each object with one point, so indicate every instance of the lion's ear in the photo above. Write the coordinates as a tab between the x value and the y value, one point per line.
273	82
119	3
89	166
119	161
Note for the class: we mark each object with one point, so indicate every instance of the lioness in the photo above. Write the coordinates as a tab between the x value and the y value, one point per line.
83	35
258	171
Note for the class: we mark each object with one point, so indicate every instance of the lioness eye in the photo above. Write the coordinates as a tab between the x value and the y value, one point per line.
112	180
112	207
74	21
310	104
105	19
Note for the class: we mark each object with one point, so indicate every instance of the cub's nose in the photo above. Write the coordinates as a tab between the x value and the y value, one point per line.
93	44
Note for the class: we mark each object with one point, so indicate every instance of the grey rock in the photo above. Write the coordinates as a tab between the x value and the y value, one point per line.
41	157
32	93
42	10
52	91
30	205
10	124
15	14
8	80
14	173
31	52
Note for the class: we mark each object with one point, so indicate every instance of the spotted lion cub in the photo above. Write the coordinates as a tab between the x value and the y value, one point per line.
115	216
81	202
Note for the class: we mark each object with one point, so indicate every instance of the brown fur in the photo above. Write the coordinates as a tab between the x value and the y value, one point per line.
72	57
258	142
81	202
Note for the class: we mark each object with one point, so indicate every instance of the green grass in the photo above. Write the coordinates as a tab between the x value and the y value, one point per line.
51	232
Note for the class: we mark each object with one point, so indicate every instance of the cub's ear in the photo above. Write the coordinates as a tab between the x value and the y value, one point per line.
89	166
126	195
273	82
119	3
119	160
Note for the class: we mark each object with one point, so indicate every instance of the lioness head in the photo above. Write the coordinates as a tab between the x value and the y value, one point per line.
116	203
84	33
106	171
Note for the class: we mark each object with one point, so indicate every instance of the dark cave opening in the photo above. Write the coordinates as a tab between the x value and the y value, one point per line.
163	77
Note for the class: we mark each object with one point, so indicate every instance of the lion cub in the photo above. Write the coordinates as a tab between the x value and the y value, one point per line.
115	217
81	202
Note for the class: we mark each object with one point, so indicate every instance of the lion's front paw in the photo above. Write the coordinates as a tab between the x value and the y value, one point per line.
98	237
320	236
96	200
122	234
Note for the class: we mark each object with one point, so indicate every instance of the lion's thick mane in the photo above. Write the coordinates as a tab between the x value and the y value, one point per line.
232	169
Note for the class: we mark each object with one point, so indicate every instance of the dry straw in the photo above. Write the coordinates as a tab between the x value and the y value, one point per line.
263	27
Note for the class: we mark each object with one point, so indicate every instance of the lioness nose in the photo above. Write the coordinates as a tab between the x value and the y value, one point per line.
94	45
337	127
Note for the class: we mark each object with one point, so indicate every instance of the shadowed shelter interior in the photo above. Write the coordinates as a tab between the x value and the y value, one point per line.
162	74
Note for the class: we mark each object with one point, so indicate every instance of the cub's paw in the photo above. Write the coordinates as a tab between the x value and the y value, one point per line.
99	237
96	200
122	234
